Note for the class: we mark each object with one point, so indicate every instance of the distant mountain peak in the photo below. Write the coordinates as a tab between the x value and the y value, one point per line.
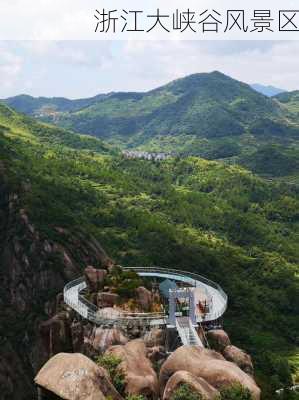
267	90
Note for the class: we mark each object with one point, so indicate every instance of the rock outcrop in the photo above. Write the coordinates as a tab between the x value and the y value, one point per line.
56	334
218	339
206	364
14	380
155	337
144	298
101	339
140	378
156	353
77	337
94	278
105	299
34	269
197	384
75	377
239	357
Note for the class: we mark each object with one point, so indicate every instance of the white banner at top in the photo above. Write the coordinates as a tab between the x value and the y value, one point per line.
149	20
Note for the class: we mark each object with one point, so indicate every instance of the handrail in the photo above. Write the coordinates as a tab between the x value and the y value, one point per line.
187	332
194	280
195	277
88	310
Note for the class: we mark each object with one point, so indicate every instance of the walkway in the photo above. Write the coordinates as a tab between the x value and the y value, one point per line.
217	299
187	332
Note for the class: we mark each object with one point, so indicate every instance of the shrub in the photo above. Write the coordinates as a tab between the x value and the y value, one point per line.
235	392
111	363
288	394
125	283
276	368
185	392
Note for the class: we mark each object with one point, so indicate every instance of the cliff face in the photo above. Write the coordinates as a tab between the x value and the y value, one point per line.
33	270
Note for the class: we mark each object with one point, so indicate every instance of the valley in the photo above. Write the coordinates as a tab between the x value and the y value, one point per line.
208	115
221	205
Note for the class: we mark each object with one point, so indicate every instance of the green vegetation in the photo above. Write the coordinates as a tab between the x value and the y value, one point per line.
273	160
135	397
185	392
235	392
31	131
276	371
290	101
208	115
123	282
43	106
111	363
220	221
288	395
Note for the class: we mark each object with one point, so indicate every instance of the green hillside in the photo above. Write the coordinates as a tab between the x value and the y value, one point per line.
34	131
209	115
290	100
41	106
202	105
220	221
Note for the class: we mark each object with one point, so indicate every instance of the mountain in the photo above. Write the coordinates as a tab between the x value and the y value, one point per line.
33	129
63	201
204	105
209	115
290	101
43	106
267	90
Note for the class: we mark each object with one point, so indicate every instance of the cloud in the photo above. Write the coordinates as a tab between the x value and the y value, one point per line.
69	52
274	63
82	69
10	68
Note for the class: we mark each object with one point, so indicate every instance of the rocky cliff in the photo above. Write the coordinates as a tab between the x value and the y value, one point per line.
33	270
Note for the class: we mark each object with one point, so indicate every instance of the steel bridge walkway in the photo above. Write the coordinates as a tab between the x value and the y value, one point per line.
87	310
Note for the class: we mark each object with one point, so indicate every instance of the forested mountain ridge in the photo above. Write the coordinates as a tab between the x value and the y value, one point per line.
290	100
11	120
39	106
220	221
205	105
209	115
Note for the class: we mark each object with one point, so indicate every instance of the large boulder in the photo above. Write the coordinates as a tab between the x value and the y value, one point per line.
218	339
101	339
239	357
94	278
197	384
209	365
144	298
105	299
75	377
155	337
140	378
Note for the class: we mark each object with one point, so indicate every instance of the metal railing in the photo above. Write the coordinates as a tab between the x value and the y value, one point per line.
187	332
191	278
90	311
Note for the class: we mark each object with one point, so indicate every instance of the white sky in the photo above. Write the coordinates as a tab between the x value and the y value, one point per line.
77	69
